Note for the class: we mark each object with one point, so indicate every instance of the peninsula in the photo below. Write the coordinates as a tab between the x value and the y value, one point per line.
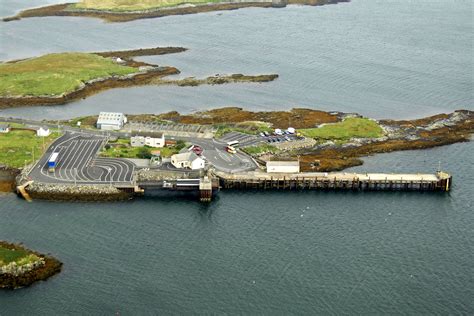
64	77
20	267
121	154
124	11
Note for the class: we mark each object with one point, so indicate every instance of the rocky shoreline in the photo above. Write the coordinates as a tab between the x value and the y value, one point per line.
7	178
14	276
67	9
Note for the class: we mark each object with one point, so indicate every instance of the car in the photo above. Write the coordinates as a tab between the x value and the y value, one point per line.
287	138
270	140
262	134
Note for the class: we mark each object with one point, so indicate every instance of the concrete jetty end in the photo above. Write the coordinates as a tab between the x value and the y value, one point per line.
440	181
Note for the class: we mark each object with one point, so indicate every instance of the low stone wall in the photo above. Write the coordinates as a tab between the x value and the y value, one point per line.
296	144
70	192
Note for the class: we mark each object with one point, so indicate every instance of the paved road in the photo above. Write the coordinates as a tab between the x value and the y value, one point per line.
214	152
78	162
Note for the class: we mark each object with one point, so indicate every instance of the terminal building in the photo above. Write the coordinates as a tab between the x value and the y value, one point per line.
283	166
187	160
111	121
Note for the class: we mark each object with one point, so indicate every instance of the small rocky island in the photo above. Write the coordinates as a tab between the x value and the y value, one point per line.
20	267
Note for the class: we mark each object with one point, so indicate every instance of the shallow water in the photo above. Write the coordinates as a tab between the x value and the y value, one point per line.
267	252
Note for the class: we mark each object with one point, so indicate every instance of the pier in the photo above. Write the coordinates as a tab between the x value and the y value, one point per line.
440	181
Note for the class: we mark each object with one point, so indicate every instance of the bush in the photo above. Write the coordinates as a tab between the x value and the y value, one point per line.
144	153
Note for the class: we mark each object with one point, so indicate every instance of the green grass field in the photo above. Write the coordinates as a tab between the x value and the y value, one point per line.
345	130
134	5
55	74
8	255
18	146
256	150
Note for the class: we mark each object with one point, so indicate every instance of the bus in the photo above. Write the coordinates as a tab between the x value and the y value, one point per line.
52	162
233	143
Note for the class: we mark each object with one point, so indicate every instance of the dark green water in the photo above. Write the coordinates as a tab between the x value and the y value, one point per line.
258	253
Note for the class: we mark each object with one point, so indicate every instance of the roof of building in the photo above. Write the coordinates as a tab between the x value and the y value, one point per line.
283	163
45	128
188	156
3	126
110	118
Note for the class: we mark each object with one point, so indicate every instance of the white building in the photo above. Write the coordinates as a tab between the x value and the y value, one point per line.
4	128
111	121
187	160
43	131
283	166
151	141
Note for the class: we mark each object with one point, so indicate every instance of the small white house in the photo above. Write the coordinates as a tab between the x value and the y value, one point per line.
283	166
291	130
187	160
4	128
151	141
43	131
111	121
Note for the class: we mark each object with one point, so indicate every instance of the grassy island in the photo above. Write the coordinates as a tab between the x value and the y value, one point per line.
21	267
56	74
134	5
129	10
64	77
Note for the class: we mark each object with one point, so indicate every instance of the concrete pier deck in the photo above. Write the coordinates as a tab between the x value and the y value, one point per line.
439	181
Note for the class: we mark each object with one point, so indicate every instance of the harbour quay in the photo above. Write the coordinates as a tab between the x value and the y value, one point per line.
440	181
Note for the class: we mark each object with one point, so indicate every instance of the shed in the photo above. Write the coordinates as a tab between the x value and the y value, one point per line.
43	131
111	121
283	166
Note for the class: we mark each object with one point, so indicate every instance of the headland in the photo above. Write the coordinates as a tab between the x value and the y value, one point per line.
227	148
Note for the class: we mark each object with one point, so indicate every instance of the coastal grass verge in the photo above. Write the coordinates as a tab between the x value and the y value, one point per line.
56	74
353	127
21	147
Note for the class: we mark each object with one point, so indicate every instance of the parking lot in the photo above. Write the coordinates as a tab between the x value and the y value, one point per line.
78	162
